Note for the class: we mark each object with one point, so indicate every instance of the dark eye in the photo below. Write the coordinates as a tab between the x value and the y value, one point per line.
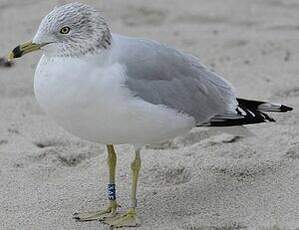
65	30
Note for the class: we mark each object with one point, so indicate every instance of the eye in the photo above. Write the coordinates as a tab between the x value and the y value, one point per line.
65	30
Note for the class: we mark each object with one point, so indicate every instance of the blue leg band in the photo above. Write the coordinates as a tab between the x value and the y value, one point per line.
111	191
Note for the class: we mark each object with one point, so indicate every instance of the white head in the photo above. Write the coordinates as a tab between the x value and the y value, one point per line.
71	30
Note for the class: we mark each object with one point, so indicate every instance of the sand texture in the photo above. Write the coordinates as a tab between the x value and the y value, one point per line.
204	180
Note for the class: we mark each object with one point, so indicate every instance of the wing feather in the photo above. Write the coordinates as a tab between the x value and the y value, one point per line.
164	76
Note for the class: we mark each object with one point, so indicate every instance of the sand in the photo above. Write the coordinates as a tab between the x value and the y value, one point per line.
205	180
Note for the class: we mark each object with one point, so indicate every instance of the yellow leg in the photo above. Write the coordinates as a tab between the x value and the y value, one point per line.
109	211
111	163
135	167
129	219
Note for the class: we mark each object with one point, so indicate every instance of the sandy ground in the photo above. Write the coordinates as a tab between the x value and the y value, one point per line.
205	180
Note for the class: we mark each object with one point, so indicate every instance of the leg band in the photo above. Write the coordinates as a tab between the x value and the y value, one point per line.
111	192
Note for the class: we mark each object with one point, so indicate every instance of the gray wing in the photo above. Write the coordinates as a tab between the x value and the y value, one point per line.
164	76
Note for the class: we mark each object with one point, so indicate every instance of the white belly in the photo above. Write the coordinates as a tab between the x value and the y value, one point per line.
94	104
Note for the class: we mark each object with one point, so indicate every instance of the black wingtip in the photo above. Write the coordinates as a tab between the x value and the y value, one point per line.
284	108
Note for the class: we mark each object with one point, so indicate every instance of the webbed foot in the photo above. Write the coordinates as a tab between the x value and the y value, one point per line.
129	219
109	212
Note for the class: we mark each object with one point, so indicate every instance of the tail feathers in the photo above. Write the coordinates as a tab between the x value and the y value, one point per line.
248	112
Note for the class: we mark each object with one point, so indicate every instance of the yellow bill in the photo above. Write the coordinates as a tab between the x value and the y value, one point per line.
23	49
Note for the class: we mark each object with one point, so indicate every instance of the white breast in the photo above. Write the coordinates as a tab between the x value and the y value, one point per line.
94	104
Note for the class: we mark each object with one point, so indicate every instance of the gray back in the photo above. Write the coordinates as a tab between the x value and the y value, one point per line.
164	76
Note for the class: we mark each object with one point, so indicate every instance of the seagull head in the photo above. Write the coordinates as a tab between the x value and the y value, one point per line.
70	30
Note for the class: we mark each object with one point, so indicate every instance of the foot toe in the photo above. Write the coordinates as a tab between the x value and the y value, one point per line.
89	216
128	219
110	211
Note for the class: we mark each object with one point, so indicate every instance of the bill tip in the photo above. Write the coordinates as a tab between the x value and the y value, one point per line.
10	56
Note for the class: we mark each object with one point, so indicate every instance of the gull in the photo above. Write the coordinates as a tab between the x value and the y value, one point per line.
112	89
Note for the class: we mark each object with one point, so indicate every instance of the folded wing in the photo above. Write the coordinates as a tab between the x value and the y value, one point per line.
164	76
